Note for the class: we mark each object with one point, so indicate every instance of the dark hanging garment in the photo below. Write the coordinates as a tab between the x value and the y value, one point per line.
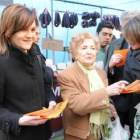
45	18
57	20
85	16
66	20
85	24
75	19
72	21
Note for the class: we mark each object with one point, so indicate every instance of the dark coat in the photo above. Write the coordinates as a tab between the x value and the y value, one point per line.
118	44
131	73
21	91
121	102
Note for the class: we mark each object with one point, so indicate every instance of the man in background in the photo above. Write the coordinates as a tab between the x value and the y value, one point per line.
104	33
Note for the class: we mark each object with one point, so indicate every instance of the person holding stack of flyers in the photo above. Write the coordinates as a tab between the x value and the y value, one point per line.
21	77
85	86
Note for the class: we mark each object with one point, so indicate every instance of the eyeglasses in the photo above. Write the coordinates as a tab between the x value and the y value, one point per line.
106	34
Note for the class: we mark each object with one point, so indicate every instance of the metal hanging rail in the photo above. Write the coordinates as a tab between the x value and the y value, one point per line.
73	2
65	11
101	7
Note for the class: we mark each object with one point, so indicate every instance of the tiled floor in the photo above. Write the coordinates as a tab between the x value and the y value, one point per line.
57	135
58	138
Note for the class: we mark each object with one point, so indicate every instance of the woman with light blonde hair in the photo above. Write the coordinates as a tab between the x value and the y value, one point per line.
85	86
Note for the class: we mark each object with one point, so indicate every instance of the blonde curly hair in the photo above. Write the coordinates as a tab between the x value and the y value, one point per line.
77	40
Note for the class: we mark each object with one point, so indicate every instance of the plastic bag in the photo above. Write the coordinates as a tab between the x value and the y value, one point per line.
136	134
118	132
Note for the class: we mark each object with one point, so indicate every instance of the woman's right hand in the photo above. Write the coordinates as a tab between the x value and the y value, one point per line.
115	89
31	121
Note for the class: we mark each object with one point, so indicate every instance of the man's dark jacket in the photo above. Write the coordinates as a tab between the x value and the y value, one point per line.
122	103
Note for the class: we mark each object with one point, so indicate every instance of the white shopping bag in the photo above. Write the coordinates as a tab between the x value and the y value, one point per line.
118	132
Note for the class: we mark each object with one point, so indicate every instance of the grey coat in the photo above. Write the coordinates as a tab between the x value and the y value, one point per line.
122	102
115	45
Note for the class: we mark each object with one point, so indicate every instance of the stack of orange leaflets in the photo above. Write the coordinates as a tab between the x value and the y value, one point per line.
47	113
123	53
133	87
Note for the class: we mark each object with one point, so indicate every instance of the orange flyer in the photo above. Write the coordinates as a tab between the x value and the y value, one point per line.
133	87
47	113
123	53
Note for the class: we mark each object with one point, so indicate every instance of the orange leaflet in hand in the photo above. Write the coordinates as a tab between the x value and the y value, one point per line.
37	113
47	113
133	87
123	53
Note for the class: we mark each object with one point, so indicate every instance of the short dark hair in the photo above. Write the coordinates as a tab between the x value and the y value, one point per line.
104	24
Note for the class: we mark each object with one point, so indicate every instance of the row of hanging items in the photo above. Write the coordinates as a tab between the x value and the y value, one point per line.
89	19
45	18
69	20
114	19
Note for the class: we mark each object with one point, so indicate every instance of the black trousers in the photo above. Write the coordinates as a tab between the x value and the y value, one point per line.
124	119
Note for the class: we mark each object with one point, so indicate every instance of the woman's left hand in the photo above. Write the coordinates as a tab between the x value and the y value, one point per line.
113	111
52	104
31	121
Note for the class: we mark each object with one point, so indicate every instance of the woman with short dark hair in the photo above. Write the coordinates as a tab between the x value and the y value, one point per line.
131	32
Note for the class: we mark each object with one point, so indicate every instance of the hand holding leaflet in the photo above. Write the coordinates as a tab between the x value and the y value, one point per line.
133	87
47	113
123	53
